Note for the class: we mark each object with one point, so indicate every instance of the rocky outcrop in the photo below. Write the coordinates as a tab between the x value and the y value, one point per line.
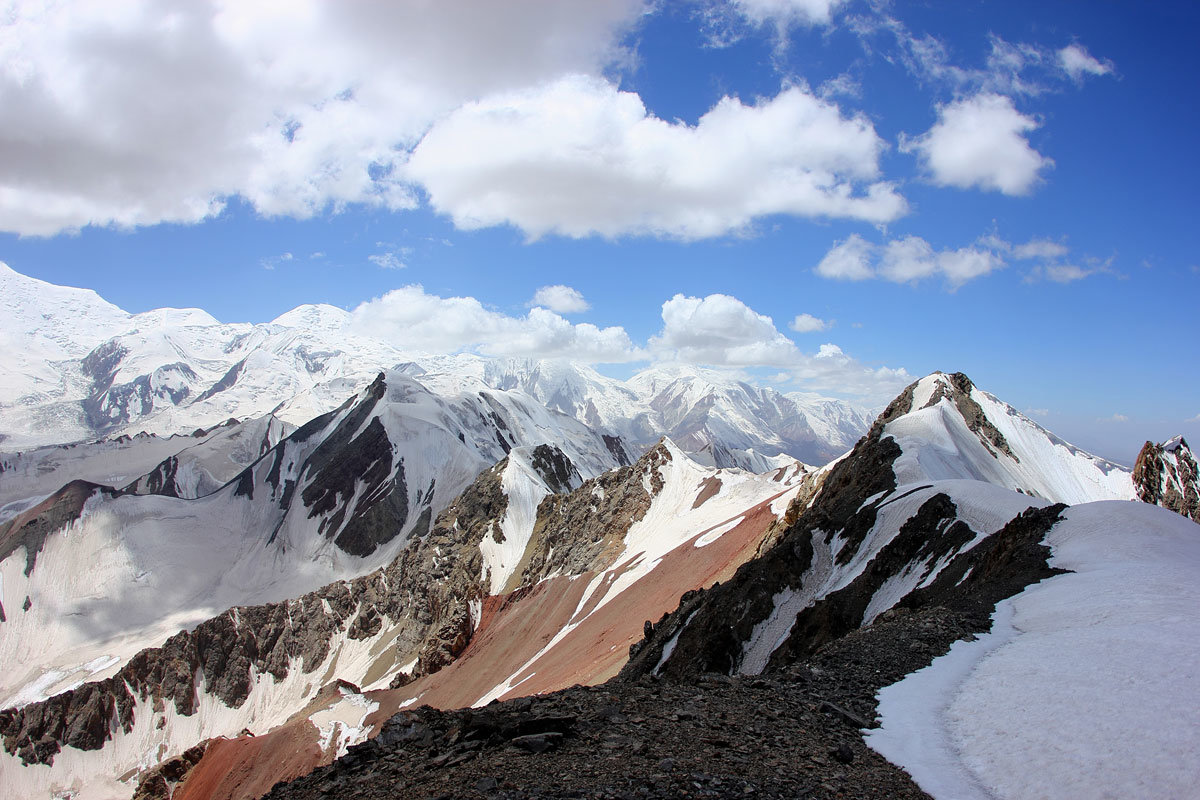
160	480
709	629
956	387
1166	475
30	528
351	460
976	420
585	529
160	783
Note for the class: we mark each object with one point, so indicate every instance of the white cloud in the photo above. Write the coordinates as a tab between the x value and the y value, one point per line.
1077	62
907	260
807	323
980	142
831	370
848	260
720	330
1059	273
1043	249
1009	68
562	299
912	259
577	157
387	260
785	13
135	113
1115	418
409	317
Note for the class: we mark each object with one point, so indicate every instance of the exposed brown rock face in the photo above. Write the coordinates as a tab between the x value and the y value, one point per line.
1167	475
585	529
30	528
160	783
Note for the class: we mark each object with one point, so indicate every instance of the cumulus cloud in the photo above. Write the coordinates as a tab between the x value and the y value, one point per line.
831	370
807	323
562	299
578	157
1077	62
136	113
848	260
912	259
980	142
411	318
907	260
720	330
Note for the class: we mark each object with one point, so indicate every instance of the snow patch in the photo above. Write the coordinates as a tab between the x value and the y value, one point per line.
1087	685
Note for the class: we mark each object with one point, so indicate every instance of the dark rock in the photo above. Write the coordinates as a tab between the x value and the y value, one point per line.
537	742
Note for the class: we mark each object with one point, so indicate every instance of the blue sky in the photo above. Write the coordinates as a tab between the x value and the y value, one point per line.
1001	188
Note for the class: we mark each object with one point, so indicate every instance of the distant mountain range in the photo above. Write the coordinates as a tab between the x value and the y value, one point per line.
79	368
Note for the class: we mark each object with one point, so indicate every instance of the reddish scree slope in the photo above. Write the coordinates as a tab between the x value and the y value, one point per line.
514	630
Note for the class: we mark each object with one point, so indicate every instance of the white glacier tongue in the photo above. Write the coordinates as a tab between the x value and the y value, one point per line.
1086	686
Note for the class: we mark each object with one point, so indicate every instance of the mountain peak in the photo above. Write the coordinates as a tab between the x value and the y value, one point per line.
314	316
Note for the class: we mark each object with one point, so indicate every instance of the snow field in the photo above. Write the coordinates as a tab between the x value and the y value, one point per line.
1087	685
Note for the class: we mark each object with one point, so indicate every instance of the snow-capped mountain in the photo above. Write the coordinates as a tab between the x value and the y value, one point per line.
92	574
719	419
172	371
1166	475
705	411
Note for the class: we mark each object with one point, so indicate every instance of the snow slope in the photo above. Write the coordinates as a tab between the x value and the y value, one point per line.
1087	685
202	463
939	444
